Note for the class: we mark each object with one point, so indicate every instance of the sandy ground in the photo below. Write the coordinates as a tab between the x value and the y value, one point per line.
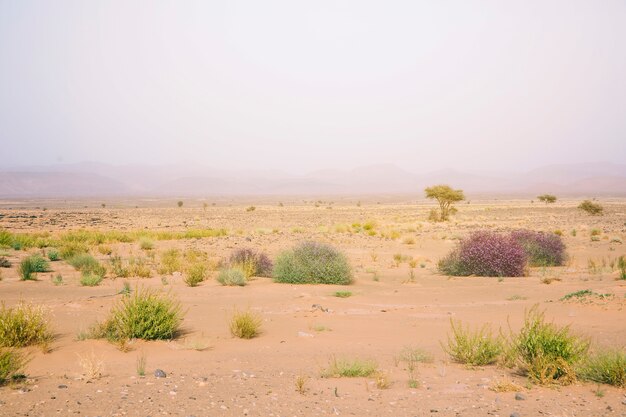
210	373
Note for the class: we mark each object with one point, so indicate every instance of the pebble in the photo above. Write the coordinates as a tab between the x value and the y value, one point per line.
519	396
159	373
516	414
62	386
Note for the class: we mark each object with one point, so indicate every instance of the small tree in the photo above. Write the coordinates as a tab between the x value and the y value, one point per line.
180	204
445	196
547	198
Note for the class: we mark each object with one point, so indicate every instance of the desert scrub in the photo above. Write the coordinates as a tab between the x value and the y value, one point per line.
90	279
542	249
24	325
342	294
252	263
312	263
232	277
146	243
11	364
145	314
605	367
350	368
195	274
87	265
31	265
486	254
245	324
139	267
170	262
546	352
474	348
591	208
53	254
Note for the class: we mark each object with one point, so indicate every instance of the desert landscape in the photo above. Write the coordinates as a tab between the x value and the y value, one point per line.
395	317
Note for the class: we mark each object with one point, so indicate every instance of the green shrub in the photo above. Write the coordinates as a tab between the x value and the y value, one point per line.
31	265
117	267
343	294
312	263
89	279
87	265
245	325
606	367
252	263
11	363
546	352
591	208
145	314
146	243
339	368
170	262
621	265
196	273
232	277
24	325
53	254
474	348
70	249
139	267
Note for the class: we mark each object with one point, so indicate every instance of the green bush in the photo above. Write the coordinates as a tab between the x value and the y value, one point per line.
24	325
196	273
170	262
232	277
606	367
146	243
474	348
11	363
312	263
90	280
145	314
87	264
245	325
591	208
53	254
31	265
339	368
546	352
70	249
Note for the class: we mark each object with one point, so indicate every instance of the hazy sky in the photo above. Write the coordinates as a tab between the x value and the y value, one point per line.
297	85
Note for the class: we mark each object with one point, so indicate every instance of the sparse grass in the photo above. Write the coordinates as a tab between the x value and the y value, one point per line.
53	254
139	267
92	366
516	297
504	386
546	352
343	294
473	348
605	367
312	263
11	364
31	265
24	325
87	265
195	274
170	262
621	265
350	368
90	279
584	294
117	267
232	277
142	361
251	262
245	324
382	380
146	243
300	384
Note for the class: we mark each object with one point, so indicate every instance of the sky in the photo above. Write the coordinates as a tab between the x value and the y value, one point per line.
299	86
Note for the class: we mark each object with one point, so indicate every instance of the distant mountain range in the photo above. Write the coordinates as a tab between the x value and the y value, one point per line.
97	179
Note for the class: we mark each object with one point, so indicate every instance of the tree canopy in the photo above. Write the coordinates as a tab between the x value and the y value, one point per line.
445	196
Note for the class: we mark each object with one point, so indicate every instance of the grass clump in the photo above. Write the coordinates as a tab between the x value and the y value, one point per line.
546	352
31	265
486	254
195	274
605	367
11	364
474	348
343	294
621	265
53	254
590	207
170	262
87	265
24	325
232	277
252	263
146	243
144	314
312	263
577	294
353	368
90	279
245	324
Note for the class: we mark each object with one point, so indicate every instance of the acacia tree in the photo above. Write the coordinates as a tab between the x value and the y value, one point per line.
547	198
445	196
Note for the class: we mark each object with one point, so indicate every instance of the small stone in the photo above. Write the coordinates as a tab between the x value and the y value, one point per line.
62	386
519	396
515	414
159	373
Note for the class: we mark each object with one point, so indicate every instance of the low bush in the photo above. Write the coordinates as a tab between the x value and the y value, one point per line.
605	367
591	208
542	249
195	274
4	262
487	254
70	249
87	265
546	352
232	277
145	314
474	348
24	325
11	364
245	325
339	368
312	263
90	279
31	265
170	262
146	243
53	255
252	263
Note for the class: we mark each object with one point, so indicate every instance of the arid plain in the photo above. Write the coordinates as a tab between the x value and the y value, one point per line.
399	303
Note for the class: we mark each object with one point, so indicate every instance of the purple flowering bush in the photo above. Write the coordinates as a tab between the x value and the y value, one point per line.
486	254
542	249
251	263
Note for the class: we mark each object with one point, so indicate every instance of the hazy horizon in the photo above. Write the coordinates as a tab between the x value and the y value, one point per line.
299	87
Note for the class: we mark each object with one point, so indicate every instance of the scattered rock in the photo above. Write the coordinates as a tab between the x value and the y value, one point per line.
519	396
62	386
159	373
515	414
304	334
